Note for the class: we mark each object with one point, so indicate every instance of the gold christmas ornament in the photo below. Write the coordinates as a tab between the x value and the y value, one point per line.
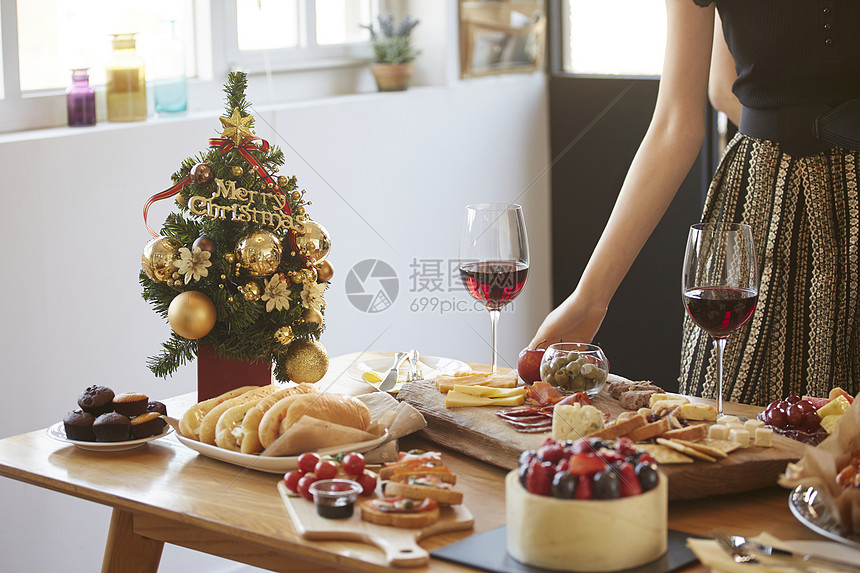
201	174
313	242
295	277
313	316
229	258
325	271
237	170
259	253
284	335
251	291
306	361
191	314
283	181
180	200
309	276
284	278
296	195
158	256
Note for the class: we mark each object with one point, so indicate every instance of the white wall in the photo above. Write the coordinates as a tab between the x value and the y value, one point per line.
388	175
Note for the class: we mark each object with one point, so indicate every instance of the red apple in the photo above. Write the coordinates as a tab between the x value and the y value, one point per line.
528	364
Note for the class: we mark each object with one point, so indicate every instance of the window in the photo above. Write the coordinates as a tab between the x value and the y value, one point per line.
258	36
598	35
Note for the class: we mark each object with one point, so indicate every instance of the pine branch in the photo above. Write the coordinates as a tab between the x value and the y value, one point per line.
175	353
237	82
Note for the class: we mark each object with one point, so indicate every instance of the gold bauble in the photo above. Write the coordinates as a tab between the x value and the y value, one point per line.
295	277
309	276
251	291
259	253
283	181
325	271
180	200
284	335
312	316
313	242
229	258
306	361
158	256
191	314
237	171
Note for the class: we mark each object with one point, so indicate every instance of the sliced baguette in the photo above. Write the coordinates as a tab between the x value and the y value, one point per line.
620	428
189	425
407	520
690	433
650	430
440	495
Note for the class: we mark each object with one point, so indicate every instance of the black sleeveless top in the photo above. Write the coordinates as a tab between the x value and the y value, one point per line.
792	52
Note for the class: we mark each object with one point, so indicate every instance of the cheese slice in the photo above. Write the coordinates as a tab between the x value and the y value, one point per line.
704	412
489	392
446	382
456	399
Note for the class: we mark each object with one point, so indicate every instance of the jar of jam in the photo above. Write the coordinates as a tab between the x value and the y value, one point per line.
335	498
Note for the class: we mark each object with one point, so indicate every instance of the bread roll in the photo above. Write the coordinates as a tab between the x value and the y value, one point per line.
250	440
337	408
189	425
210	420
228	430
310	434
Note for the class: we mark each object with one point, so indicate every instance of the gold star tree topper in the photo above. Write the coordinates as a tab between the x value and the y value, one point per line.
236	127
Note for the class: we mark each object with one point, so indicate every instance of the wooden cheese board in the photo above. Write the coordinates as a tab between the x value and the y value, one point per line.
481	434
399	545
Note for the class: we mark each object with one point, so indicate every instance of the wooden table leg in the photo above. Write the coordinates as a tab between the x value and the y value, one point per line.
127	552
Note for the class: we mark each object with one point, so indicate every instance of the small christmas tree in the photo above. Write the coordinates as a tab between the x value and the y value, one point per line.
241	267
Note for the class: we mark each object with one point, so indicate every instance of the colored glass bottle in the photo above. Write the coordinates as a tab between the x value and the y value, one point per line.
126	83
81	99
169	86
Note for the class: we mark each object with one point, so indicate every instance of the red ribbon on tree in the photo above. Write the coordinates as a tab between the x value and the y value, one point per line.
163	195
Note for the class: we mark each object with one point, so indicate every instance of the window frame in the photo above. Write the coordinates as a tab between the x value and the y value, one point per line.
217	52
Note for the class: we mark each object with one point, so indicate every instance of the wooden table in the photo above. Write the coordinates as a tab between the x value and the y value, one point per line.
164	492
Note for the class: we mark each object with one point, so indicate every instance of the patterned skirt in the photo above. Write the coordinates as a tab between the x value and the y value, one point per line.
803	335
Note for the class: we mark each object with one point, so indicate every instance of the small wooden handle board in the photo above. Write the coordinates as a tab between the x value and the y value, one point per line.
400	545
478	432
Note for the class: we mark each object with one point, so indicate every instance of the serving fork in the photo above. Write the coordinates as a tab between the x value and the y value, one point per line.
749	552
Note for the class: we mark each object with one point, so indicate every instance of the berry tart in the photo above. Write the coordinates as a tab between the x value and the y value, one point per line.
570	503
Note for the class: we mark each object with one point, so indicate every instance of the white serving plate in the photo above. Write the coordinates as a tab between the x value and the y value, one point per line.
381	362
58	432
273	464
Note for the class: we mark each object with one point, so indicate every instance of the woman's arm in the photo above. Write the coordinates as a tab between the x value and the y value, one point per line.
664	158
723	75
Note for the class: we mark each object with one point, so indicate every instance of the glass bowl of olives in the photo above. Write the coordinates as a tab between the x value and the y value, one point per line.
572	367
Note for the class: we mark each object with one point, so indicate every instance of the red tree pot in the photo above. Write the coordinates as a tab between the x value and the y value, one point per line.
217	375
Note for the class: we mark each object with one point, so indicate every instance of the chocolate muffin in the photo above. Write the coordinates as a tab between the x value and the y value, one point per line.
96	400
112	427
130	403
148	424
79	426
154	406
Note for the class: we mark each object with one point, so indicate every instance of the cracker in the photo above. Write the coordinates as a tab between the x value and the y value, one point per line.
664	455
704	448
725	446
692	433
686	450
649	430
620	428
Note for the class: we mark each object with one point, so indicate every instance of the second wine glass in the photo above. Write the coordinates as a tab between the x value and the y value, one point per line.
494	258
719	285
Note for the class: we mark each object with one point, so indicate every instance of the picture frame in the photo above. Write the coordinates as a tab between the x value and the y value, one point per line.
498	37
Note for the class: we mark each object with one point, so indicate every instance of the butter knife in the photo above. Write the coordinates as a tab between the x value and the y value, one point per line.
391	378
803	559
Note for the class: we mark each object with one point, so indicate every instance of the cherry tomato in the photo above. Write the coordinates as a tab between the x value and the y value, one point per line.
367	483
291	480
307	462
353	464
325	469
304	483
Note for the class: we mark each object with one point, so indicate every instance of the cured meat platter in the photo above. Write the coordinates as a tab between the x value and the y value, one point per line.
480	433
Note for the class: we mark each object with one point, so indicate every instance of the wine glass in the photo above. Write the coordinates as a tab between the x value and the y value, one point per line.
720	283
494	257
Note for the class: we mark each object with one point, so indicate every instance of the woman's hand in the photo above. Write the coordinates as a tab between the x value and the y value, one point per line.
573	321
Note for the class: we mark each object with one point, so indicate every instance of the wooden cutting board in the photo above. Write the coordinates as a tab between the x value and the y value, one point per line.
481	434
399	545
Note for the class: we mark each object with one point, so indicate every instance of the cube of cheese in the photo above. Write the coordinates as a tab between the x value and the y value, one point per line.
704	412
763	437
752	424
573	421
740	436
727	420
718	432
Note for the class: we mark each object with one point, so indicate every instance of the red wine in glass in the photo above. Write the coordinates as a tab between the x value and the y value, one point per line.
494	283
720	310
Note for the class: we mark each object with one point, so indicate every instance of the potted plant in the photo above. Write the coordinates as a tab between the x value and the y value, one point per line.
393	52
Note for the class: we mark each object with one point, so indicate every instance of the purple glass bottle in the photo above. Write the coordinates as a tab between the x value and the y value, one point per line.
81	99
